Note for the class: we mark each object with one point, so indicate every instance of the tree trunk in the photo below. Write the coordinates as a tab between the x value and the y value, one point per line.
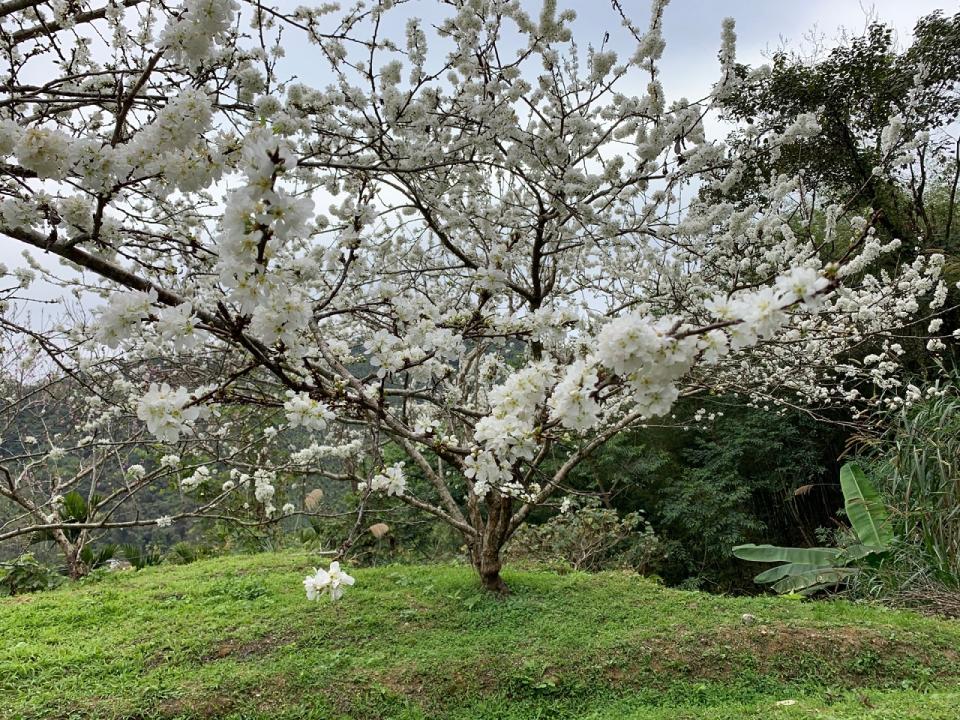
489	570
486	546
487	562
76	569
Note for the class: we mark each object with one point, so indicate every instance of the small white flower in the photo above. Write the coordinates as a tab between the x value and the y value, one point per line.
332	580
302	410
391	481
164	410
170	461
164	521
200	475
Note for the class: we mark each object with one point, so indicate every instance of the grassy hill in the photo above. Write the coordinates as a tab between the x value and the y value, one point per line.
236	638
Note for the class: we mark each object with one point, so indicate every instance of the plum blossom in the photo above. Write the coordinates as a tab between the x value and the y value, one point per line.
304	411
200	24
177	325
572	401
391	481
801	284
170	461
332	581
263	488
164	410
119	319
199	476
45	152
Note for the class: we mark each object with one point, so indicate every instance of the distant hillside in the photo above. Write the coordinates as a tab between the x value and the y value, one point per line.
237	638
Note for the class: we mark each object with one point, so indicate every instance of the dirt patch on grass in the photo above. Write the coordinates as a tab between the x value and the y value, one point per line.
246	648
845	654
839	657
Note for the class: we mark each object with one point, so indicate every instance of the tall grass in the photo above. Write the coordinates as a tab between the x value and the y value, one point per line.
919	473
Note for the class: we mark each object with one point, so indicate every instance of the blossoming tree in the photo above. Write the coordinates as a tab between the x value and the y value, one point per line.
479	245
77	465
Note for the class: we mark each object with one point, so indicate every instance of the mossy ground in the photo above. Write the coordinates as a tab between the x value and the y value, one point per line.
235	637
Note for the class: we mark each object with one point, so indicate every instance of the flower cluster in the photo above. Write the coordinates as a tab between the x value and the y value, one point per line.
192	482
332	581
264	489
167	411
573	401
509	432
201	23
391	481
120	318
304	411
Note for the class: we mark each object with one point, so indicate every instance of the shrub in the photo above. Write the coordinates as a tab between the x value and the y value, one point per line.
589	537
26	575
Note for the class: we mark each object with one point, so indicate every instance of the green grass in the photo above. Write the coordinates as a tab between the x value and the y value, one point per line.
236	638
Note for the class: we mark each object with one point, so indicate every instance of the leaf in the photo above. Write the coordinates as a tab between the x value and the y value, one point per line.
74	507
772	553
857	552
823	577
782	571
864	507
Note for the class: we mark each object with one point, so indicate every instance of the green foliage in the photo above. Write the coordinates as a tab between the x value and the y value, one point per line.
729	482
916	465
141	556
76	509
589	537
235	637
853	90
184	553
238	588
919	473
26	575
94	559
809	570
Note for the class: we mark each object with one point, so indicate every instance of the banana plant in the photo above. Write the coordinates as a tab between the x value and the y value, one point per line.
807	570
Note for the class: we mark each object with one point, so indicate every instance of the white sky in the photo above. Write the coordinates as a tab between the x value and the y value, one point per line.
692	32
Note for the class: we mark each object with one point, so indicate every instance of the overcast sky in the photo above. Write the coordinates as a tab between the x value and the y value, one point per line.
692	29
692	32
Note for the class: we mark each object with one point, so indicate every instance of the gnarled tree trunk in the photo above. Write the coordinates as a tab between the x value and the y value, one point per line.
487	546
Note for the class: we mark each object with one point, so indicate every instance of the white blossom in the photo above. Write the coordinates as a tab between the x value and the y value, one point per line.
332	581
302	410
164	410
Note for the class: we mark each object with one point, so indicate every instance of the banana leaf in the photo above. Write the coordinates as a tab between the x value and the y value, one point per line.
866	511
806	556
858	552
824	577
782	571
